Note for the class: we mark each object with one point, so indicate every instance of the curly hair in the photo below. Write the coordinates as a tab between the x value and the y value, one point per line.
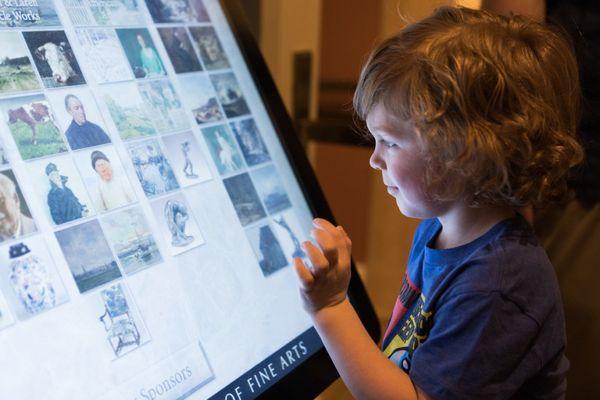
495	102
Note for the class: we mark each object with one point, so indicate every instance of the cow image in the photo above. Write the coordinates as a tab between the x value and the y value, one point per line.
32	114
55	56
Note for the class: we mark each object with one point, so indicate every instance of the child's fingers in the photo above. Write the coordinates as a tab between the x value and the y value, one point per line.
305	277
317	259
327	243
344	249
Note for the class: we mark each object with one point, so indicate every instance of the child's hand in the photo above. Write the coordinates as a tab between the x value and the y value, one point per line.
325	284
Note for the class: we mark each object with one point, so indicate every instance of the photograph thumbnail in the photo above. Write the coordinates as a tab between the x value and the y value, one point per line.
248	137
78	115
223	149
141	52
33	126
164	11
180	49
187	159
128	111
54	58
230	94
290	235
209	47
88	255
104	178
28	14
200	97
102	56
271	189
15	217
163	105
177	224
60	189
16	70
152	168
111	12
267	249
132	240
244	198
30	281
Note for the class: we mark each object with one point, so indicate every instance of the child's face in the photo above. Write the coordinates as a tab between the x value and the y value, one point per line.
398	156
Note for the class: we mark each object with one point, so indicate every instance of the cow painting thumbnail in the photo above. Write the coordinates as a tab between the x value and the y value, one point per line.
54	58
16	71
33	126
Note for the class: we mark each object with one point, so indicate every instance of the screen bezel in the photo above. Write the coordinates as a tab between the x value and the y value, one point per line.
318	372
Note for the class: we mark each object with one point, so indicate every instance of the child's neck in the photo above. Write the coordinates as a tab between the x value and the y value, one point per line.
462	224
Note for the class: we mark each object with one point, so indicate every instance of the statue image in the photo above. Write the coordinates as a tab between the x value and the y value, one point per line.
176	215
297	249
188	168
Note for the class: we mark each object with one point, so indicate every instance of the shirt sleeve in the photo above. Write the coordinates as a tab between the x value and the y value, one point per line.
479	347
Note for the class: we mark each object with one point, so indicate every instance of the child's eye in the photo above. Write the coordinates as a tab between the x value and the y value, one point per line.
387	144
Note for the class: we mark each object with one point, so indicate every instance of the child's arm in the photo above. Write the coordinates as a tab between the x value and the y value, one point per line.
363	367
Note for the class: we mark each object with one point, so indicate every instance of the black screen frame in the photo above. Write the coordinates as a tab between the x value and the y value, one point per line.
318	372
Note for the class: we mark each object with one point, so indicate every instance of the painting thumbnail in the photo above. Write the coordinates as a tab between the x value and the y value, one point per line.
30	283
102	56
230	94
187	159
164	106
152	168
28	14
128	111
88	255
54	58
244	198
33	126
209	47
271	189
180	49
104	178
163	11
223	149
200	97
141	52
60	189
15	217
132	239
16	71
267	249
290	235
251	143
106	12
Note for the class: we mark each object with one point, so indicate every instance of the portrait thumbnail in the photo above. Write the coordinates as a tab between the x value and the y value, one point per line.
209	47
180	49
60	189
230	94
141	52
33	126
6	317
131	238
16	70
164	106
30	281
177	224
15	217
128	110
54	58
102	56
32	14
104	178
88	255
267	249
200	97
290	235
164	11
250	140
271	189
111	13
152	168
118	320
244	198
79	117
223	149
187	159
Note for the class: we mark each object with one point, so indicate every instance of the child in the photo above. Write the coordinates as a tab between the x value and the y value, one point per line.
473	116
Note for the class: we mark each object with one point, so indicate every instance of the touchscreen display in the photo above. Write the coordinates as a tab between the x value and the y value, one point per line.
148	212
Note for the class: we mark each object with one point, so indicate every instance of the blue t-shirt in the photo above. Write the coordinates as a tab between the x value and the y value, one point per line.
480	321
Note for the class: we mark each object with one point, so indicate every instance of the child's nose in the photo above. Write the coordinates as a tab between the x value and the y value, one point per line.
375	161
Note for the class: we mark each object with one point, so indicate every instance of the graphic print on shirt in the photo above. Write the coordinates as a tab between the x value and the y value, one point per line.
408	327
